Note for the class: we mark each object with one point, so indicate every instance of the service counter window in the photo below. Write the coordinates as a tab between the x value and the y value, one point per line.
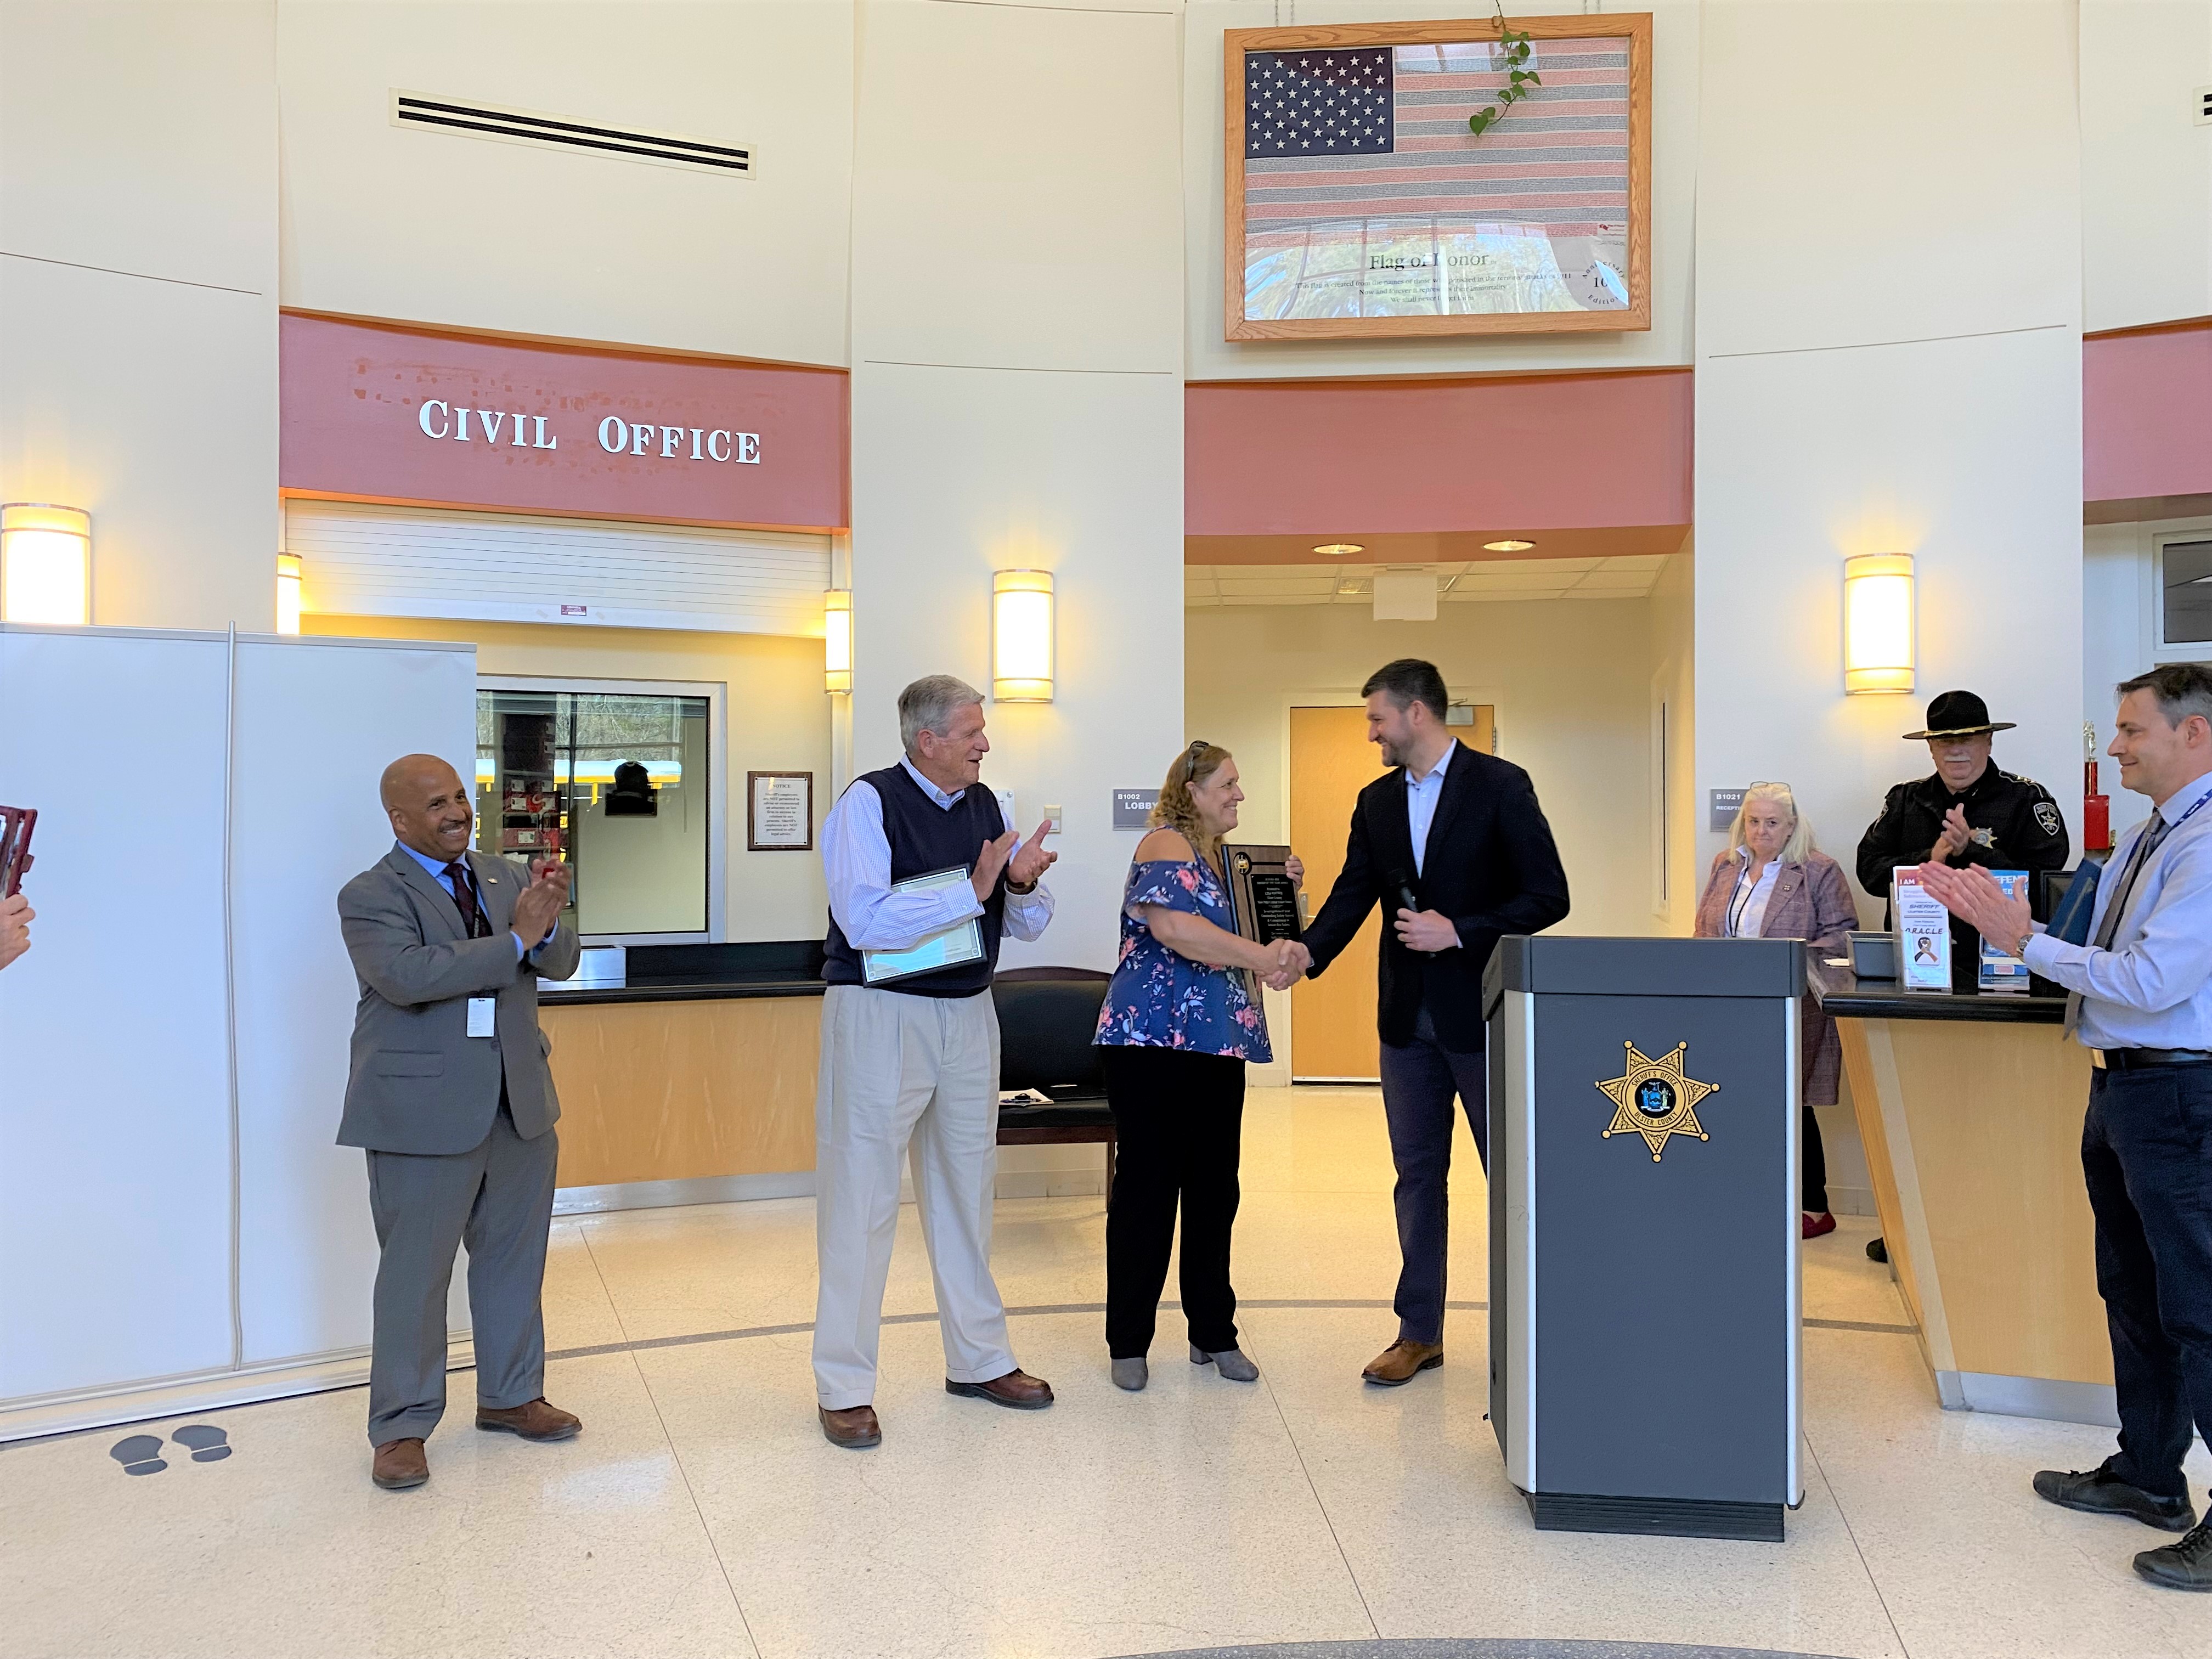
619	779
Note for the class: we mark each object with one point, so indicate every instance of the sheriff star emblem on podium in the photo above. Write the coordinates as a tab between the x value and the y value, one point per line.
1654	1098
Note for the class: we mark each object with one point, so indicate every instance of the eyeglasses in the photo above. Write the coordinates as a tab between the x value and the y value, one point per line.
1191	757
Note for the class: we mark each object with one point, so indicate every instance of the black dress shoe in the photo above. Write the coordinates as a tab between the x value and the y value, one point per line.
1876	1250
2185	1565
2095	1491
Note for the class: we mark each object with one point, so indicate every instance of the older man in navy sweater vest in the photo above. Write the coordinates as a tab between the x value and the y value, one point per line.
910	1053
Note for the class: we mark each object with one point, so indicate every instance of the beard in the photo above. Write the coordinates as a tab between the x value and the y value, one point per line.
1392	754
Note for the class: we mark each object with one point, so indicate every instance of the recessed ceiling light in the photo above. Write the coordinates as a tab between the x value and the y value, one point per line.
1507	546
1338	550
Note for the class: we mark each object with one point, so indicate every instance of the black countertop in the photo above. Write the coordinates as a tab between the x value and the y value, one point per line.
1846	996
702	973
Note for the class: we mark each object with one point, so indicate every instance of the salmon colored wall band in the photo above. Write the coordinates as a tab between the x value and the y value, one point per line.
378	412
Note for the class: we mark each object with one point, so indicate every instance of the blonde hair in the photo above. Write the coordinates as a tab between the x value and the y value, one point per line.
1801	832
1177	810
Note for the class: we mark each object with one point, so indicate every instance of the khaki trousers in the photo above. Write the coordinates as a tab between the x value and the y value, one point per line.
915	1076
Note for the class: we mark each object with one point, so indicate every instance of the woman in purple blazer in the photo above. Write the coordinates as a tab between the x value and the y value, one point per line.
1771	884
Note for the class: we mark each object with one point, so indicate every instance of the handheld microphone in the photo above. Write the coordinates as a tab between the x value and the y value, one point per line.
1398	884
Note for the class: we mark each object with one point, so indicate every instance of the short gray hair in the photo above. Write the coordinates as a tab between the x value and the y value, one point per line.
930	704
2181	689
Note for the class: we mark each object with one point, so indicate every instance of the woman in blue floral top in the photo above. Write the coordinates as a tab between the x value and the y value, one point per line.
1177	1027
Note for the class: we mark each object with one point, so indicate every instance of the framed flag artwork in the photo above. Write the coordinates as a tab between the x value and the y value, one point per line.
1362	200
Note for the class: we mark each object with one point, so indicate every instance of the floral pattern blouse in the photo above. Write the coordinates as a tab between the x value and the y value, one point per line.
1159	1000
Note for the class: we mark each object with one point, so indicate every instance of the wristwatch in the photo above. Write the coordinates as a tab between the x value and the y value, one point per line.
1017	889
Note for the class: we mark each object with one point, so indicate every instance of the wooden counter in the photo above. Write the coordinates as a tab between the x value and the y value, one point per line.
1971	1111
687	1089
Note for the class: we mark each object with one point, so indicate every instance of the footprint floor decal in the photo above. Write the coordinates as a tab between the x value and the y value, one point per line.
209	1443
139	1454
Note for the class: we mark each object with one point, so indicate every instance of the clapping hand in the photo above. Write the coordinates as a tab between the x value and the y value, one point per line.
1973	895
1289	961
1957	833
540	904
1026	867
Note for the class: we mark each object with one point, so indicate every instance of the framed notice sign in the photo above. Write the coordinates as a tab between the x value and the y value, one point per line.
779	811
1359	201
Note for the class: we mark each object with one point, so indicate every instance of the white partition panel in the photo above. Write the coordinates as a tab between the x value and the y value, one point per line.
317	720
115	1150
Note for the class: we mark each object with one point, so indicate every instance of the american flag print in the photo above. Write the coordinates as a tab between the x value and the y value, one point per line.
1365	195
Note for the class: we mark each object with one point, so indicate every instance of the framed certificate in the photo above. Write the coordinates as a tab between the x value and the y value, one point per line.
779	811
947	948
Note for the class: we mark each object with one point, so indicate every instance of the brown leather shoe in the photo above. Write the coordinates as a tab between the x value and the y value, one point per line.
1017	1389
1398	1365
399	1464
855	1428
535	1421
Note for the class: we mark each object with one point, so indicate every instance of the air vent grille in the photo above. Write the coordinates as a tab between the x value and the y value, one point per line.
535	127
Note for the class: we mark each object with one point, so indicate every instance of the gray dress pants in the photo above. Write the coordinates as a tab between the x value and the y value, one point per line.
497	1199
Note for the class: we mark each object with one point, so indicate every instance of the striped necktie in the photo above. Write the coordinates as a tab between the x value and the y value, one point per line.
464	901
2107	930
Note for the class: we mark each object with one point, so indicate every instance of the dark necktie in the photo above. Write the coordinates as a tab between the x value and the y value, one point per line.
464	901
2109	928
2144	849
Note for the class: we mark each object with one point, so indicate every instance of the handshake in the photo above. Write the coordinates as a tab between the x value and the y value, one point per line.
1283	963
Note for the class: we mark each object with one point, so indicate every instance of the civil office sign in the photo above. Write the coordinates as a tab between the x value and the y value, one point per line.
390	414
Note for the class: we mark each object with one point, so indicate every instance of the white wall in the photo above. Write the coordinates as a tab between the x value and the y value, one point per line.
2146	166
1673	194
139	297
1029	414
431	227
1569	680
1853	399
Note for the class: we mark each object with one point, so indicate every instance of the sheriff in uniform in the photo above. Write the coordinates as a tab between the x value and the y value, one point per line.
1967	813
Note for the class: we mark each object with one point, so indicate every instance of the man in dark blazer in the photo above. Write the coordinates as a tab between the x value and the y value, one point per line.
450	1094
1453	846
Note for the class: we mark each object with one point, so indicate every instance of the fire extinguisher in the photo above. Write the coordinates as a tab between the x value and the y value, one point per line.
2096	807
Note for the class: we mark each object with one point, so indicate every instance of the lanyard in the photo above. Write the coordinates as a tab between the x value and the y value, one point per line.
2153	837
1744	888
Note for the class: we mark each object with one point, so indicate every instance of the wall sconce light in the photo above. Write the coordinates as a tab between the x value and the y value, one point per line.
1878	637
1021	636
837	640
45	563
289	573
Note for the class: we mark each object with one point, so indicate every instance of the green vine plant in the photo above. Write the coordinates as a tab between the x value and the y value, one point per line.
1518	79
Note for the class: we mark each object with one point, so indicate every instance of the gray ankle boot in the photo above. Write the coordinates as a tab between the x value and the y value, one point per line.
1229	1362
1130	1374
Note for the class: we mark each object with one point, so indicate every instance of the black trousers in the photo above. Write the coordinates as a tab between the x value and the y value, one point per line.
2146	1156
1813	1168
1179	1118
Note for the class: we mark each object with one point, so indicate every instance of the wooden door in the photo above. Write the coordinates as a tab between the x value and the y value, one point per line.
1333	1018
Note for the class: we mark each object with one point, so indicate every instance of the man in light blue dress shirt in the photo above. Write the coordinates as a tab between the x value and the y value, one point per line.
2140	999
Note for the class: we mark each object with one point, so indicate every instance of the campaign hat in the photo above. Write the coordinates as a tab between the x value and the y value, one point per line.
1959	714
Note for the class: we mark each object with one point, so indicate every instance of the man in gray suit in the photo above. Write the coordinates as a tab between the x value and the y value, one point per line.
450	1095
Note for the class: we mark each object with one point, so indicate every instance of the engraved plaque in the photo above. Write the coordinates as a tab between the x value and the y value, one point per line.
1261	897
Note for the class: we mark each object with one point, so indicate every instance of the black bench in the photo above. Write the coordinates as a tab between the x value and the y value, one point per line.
1047	1017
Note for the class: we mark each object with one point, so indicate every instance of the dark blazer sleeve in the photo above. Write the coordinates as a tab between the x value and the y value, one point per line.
1349	900
1539	880
1879	850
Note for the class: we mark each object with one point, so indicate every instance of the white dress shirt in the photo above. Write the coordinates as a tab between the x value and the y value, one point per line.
1422	795
2153	989
856	857
1746	910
